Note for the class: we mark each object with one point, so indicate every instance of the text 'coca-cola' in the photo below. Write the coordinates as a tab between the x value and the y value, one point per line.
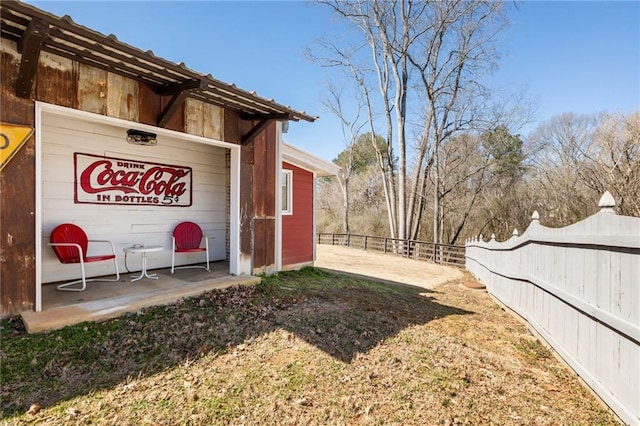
106	180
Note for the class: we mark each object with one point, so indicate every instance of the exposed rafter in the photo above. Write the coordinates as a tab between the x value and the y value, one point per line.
254	131
281	117
264	120
29	46
172	107
180	92
174	89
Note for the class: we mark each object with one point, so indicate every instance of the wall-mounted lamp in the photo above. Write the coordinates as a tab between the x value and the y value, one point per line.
138	137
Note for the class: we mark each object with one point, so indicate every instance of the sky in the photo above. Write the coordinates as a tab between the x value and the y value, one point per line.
578	57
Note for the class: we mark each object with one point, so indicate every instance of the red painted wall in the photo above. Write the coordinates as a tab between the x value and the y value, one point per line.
297	228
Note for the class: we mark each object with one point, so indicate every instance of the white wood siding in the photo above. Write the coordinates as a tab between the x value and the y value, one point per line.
127	225
579	288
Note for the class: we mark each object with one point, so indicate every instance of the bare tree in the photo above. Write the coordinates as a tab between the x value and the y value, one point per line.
581	156
346	56
350	130
465	175
614	163
330	213
367	211
454	51
449	43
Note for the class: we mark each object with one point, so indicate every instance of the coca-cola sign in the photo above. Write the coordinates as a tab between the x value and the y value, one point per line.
106	180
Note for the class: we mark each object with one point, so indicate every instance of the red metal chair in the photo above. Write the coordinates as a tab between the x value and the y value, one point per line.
187	237
69	242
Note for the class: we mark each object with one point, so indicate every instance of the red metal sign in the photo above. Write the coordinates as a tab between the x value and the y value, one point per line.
106	180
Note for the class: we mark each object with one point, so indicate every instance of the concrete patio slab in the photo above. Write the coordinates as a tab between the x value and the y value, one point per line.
105	300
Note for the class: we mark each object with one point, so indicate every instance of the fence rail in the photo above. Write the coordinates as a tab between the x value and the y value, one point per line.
413	249
579	288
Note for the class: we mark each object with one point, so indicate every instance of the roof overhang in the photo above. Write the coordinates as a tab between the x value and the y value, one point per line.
36	30
307	161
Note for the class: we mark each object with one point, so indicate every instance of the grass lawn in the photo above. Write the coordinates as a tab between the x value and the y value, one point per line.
307	347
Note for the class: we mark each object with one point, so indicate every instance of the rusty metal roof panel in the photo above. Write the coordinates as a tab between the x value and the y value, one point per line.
79	43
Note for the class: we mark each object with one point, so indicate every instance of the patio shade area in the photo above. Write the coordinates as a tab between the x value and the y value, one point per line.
104	300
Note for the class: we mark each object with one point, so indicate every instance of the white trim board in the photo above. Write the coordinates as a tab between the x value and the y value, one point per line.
307	161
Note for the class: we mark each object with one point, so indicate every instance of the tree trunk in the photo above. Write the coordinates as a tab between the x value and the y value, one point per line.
345	207
436	200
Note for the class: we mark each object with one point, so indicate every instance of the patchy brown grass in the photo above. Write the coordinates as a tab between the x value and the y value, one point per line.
306	347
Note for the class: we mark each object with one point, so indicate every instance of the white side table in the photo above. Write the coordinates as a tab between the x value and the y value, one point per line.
143	250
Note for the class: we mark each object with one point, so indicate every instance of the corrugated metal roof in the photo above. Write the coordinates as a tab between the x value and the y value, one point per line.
79	43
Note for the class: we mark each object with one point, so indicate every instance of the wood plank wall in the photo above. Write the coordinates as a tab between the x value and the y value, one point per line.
63	82
264	201
257	192
17	200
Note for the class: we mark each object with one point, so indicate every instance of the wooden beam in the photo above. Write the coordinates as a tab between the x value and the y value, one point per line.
273	116
254	131
29	47
174	89
180	92
171	108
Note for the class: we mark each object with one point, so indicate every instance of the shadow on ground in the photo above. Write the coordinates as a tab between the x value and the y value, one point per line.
341	315
351	317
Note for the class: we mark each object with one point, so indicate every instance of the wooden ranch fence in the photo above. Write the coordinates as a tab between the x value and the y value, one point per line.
420	250
579	288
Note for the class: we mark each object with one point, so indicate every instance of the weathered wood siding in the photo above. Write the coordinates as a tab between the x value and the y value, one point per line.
60	81
57	81
122	224
579	288
264	196
297	228
234	128
14	109
204	119
257	192
17	196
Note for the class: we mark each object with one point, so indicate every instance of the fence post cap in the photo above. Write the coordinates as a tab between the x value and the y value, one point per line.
493	237
535	216
607	202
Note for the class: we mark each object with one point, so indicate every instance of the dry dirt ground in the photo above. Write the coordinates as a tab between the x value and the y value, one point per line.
301	348
384	266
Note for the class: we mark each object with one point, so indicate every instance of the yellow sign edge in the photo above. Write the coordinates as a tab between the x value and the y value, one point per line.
18	147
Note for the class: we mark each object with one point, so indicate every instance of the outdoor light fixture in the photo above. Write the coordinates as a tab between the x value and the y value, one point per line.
138	137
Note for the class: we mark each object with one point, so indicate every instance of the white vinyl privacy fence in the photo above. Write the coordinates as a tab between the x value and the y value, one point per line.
579	288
